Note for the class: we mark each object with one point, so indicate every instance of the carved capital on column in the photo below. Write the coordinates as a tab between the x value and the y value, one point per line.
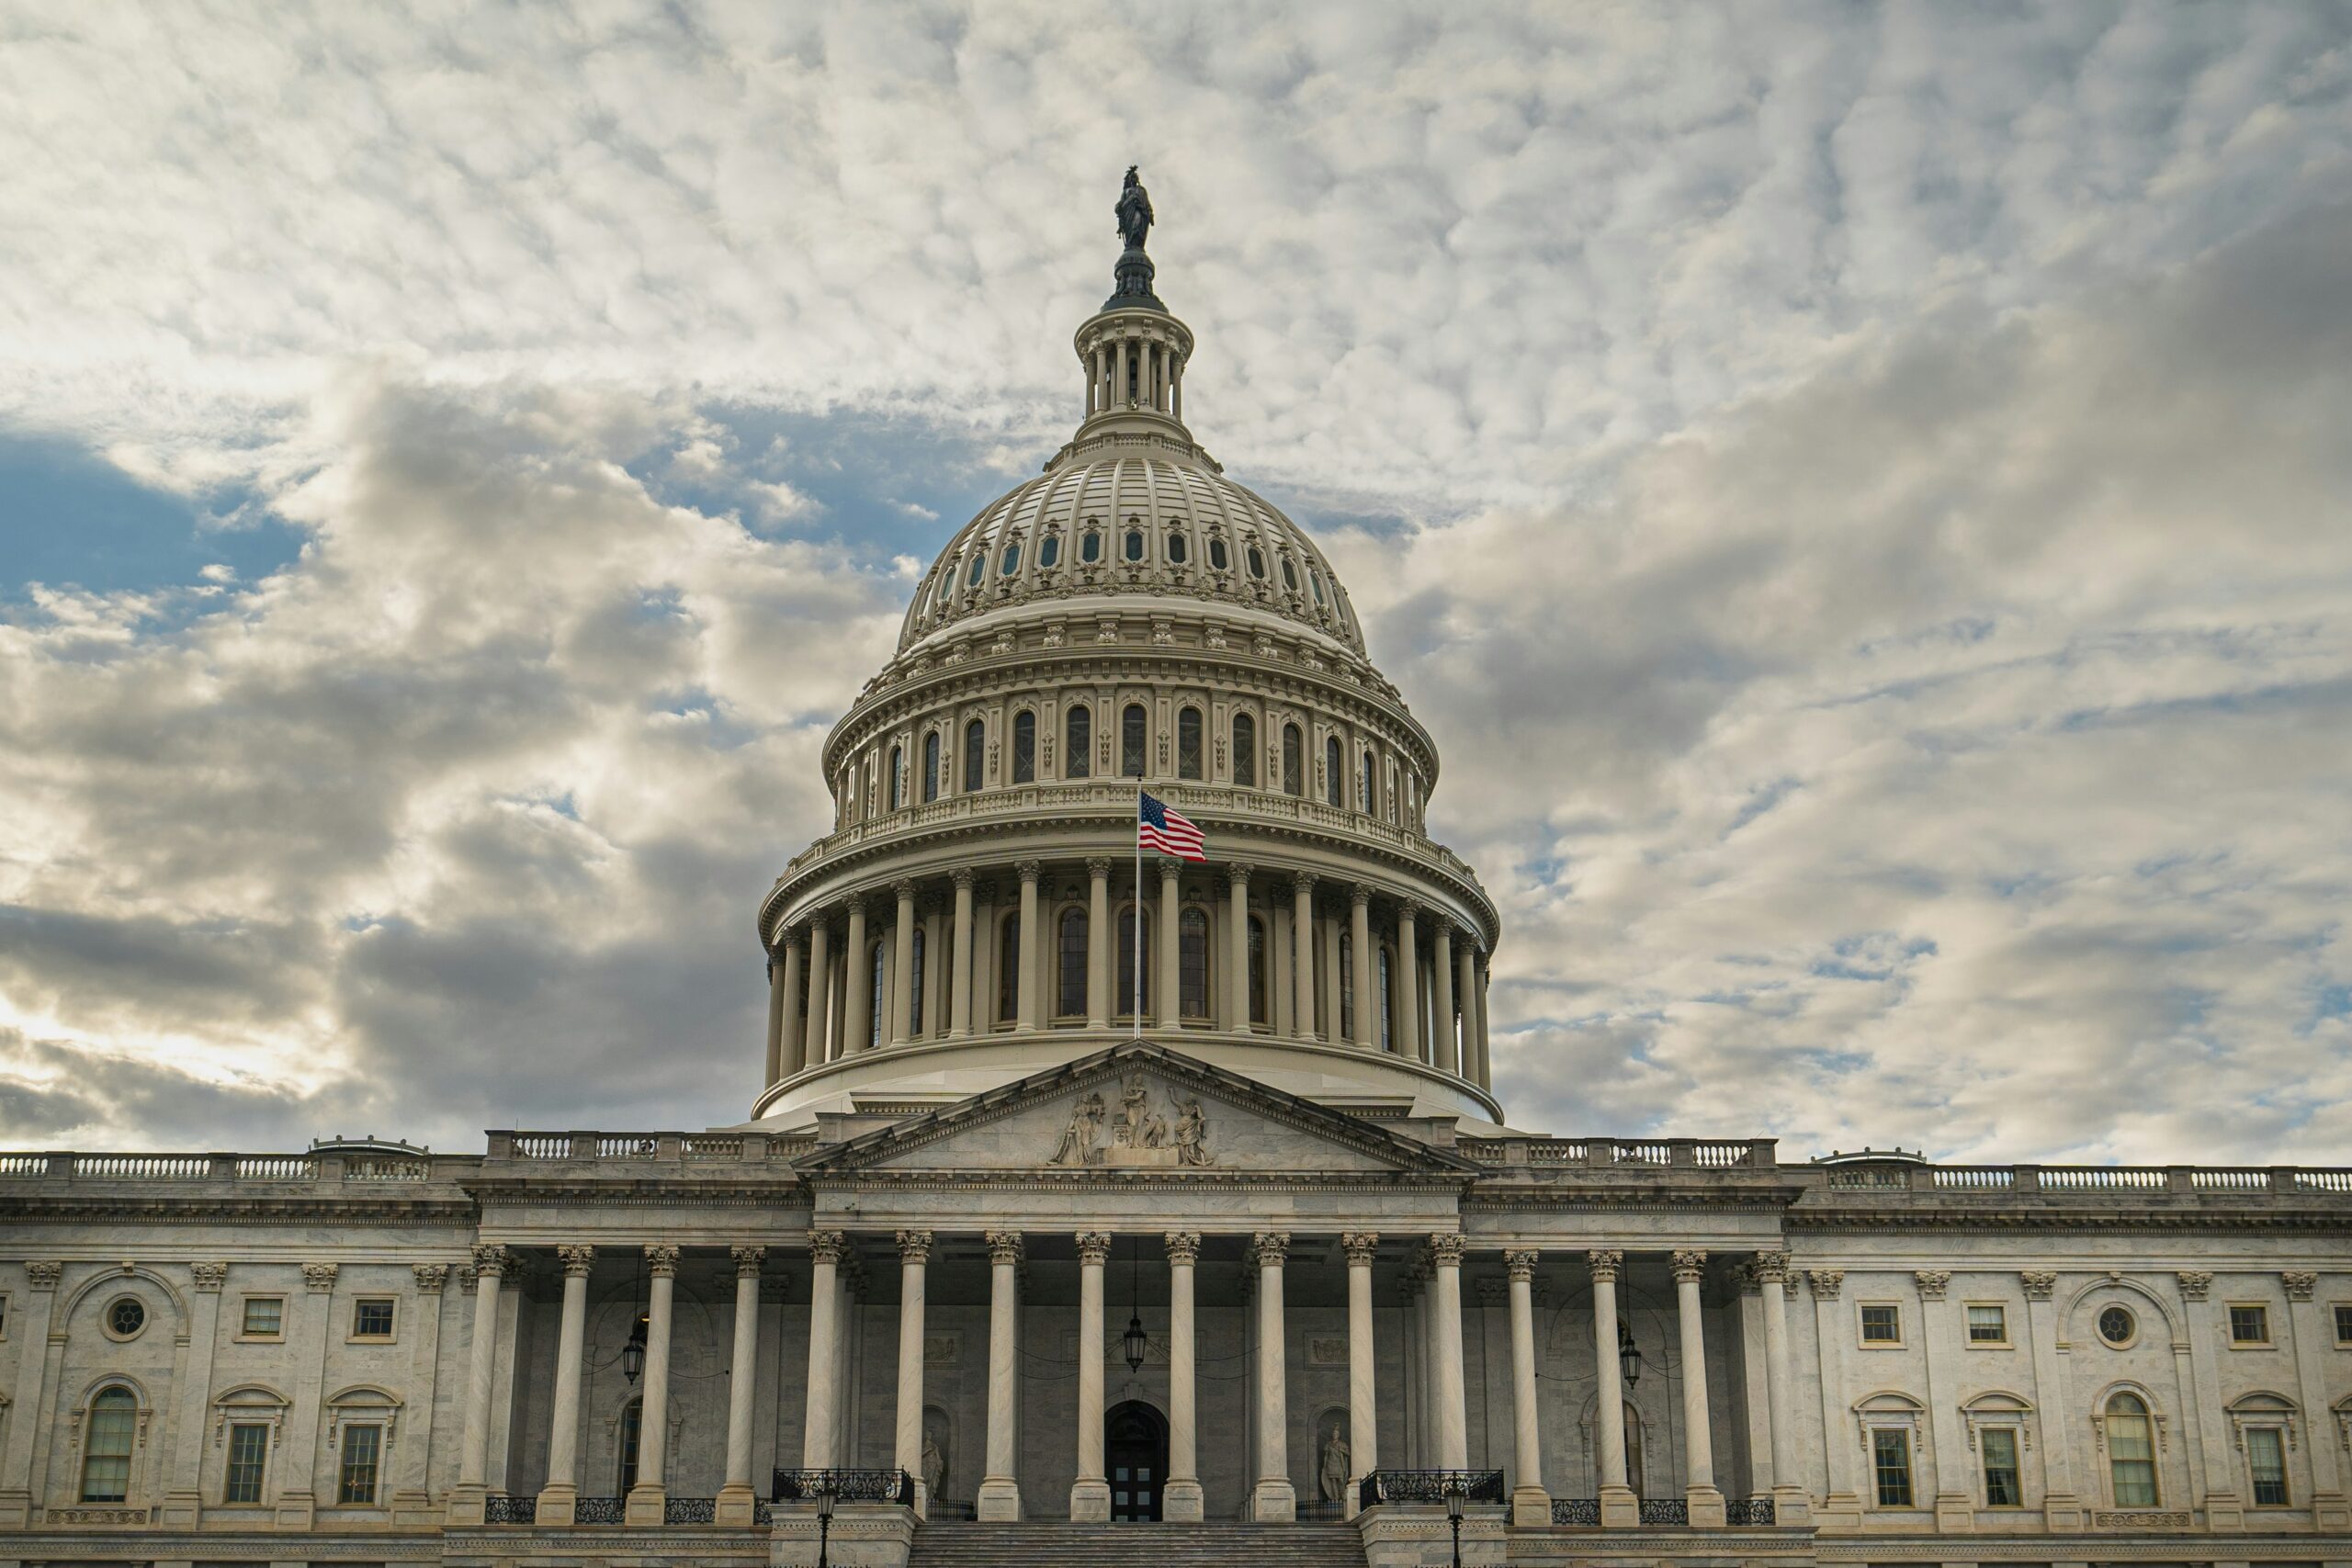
854	906
1270	1249
962	877
914	1247
1238	872
1932	1283
319	1276
906	889
1607	1264
1360	1246
1771	1268
749	1260
2038	1283
43	1276
1303	883
660	1258
1494	1292
1029	871
1411	909
1359	896
430	1278
1094	1246
1446	1248
1004	1247
209	1277
576	1261
2299	1283
2194	1284
1826	1283
490	1262
1183	1247
1098	867
1520	1265
826	1247
1691	1265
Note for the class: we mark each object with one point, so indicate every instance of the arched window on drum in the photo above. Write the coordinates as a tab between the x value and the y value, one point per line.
1188	743
1069	953
1133	734
1024	747
976	755
1245	750
1078	749
1192	965
1294	761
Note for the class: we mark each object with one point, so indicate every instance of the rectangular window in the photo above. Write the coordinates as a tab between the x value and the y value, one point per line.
2249	1323
1999	1446
1891	1460
1882	1324
1989	1324
265	1317
248	1449
2266	1455
2343	1323
361	1447
371	1317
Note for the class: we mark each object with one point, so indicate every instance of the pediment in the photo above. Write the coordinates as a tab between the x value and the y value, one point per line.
1137	1111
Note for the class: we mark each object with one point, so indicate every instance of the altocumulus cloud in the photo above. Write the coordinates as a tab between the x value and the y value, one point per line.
1857	493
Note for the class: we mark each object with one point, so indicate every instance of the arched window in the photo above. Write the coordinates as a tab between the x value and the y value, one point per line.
1192	965
1385	1042
1024	747
976	754
1124	1004
1347	986
1070	998
1294	761
632	1415
1334	773
1089	547
898	777
1176	548
1008	970
914	986
1049	551
1217	557
2131	1451
1135	544
1078	749
1258	1012
930	767
1188	743
1131	740
1245	750
873	996
105	1452
1363	785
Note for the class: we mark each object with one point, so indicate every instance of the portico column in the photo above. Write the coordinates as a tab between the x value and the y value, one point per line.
824	1328
902	969
857	984
1181	1500
736	1498
1090	1494
467	1497
1237	964
562	1490
649	1499
1099	939
1000	1498
1272	1500
818	1044
1363	1413
914	1252
1302	959
1453	1419
1408	1025
1366	966
1171	1010
1792	1501
1447	1057
791	1034
959	1006
1025	989
1531	1506
1706	1502
1618	1504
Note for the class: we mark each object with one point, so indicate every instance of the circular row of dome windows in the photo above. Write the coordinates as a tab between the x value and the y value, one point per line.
1134	548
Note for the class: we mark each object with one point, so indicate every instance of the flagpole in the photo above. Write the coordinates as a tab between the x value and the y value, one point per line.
1135	989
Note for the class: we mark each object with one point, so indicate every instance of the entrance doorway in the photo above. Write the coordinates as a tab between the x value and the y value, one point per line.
1134	1452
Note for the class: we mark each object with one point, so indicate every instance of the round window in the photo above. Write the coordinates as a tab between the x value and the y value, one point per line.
125	1315
2115	1325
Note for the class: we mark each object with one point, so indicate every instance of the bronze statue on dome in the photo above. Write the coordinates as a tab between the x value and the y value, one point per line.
1134	211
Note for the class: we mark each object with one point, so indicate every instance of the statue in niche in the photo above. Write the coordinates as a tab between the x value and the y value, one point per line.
1191	1134
1134	211
934	1464
1332	1474
1078	1147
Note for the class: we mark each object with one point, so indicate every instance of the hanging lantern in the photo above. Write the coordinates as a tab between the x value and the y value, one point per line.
1629	1355
1137	1342
633	1353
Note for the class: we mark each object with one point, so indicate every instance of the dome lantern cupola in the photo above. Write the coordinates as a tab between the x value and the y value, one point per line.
1132	351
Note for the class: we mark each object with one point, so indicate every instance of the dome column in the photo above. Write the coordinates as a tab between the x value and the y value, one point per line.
785	1057
1170	1012
857	984
1448	1058
1238	962
1024	990
1406	1029
1302	964
1359	937
820	974
902	972
1468	965
959	1015
1098	941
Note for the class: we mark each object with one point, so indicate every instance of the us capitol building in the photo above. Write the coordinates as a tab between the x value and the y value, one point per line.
1088	1219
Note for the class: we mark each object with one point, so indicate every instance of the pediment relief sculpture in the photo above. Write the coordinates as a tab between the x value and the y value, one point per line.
1140	1136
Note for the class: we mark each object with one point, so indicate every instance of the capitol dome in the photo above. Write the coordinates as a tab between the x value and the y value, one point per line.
1129	620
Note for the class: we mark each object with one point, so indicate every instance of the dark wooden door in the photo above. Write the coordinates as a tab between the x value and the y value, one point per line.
1135	1453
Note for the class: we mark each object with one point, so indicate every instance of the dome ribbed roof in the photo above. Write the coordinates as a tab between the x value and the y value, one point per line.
1195	535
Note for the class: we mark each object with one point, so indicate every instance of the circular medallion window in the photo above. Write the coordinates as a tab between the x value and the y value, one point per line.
2117	1325
125	1315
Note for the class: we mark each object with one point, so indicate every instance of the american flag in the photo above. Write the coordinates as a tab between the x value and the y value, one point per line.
1160	827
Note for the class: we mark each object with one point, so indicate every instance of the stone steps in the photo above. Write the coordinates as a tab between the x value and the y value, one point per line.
1049	1544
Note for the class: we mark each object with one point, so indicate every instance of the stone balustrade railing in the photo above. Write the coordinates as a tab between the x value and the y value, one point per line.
68	1166
638	1148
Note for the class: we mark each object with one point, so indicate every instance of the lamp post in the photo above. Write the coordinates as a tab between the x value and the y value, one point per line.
824	1520
1454	1516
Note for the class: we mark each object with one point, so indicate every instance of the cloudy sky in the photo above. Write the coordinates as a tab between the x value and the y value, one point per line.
1861	496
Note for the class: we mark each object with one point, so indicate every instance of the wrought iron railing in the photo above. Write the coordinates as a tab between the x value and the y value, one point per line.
510	1510
762	1513
600	1511
1666	1511
1748	1511
1576	1511
1430	1486
690	1510
845	1485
